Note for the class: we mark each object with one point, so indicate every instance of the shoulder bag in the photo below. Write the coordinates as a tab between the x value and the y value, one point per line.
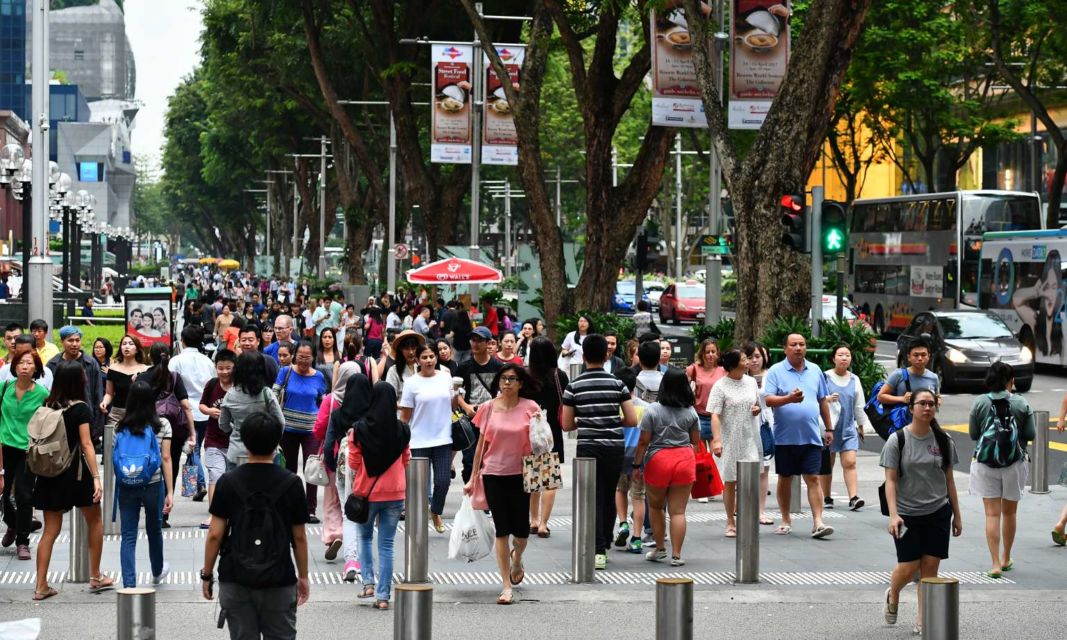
882	502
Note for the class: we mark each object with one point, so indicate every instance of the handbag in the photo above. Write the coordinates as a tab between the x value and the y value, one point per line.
463	435
281	391
478	499
559	393
189	473
357	507
315	470
766	436
708	482
541	472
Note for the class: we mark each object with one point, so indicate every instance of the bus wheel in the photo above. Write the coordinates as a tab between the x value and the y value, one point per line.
879	320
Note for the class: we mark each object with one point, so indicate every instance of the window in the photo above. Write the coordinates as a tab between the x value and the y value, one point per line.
91	171
79	54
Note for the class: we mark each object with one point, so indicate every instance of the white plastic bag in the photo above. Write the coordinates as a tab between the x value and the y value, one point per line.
540	434
473	534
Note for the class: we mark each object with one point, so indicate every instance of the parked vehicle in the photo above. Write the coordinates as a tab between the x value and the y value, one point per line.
654	289
624	301
682	301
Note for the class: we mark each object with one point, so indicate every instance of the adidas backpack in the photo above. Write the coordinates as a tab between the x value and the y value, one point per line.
998	446
136	458
49	453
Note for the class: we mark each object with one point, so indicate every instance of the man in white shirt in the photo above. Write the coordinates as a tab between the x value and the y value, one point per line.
195	370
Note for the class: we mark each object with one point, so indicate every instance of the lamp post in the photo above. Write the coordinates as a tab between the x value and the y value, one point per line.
40	266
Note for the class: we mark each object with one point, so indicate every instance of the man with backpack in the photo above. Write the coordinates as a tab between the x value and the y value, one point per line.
1001	423
258	513
903	382
71	337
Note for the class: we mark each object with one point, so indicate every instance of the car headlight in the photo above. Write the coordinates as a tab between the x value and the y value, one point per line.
1025	356
955	356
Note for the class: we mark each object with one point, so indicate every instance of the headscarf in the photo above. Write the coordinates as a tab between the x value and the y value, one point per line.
380	434
355	403
344	372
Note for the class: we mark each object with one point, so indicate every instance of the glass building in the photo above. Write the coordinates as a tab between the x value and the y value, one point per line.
14	92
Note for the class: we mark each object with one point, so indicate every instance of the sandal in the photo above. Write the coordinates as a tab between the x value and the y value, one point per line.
783	530
44	595
505	598
99	584
514	566
731	532
534	528
381	605
368	592
1058	538
822	532
765	520
547	533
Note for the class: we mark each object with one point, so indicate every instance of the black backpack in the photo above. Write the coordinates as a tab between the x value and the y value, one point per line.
259	540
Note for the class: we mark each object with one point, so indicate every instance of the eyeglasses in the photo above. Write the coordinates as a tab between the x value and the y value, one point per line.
926	404
509	379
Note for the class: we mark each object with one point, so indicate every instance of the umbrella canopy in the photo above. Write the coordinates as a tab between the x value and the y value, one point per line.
208	260
229	264
455	271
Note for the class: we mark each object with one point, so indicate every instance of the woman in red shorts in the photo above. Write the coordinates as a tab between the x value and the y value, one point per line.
666	454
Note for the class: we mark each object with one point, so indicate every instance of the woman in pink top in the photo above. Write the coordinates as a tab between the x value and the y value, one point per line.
378	455
703	374
504	440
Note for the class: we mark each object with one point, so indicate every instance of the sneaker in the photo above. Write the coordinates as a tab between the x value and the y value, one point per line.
158	580
656	555
199	497
855	503
9	537
677	561
23	551
600	561
620	538
332	549
351	570
889	610
312	519
648	539
827	503
165	525
635	546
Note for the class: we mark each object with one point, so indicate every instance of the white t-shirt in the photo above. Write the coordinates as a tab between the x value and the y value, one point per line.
431	399
195	370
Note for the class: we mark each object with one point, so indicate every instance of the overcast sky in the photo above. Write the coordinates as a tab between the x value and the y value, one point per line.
165	37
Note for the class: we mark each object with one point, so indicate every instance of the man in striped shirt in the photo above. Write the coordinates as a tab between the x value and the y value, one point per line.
599	405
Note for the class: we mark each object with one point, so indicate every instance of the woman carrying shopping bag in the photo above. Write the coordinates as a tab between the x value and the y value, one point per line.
498	464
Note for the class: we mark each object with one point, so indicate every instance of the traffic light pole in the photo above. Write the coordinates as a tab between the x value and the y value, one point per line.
814	233
840	286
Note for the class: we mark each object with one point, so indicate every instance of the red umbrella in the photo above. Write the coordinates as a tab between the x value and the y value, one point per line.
455	271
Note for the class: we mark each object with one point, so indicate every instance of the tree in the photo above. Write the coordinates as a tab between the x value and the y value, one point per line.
782	155
852	141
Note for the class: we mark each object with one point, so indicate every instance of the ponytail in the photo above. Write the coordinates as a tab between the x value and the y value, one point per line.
944	443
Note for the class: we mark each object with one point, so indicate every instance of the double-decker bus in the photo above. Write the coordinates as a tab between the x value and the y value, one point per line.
1023	279
905	251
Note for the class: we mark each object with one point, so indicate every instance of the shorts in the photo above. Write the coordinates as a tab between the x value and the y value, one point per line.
825	467
635	488
508	504
926	535
705	427
671	468
1005	482
214	464
797	459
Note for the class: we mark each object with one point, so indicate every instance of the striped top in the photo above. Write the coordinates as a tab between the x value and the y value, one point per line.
597	397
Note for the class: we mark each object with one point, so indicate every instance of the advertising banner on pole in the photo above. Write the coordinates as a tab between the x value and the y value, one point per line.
759	55
452	116
499	140
676	98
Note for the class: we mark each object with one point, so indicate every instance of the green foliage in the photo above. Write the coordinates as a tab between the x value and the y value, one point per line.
601	322
858	337
776	332
723	333
514	283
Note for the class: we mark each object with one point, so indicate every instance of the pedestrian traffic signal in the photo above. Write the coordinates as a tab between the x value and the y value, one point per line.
834	232
794	212
645	251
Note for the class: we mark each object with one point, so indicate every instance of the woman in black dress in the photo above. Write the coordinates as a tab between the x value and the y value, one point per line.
549	397
79	486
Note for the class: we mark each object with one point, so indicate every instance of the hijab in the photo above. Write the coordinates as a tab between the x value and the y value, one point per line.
355	401
344	372
382	437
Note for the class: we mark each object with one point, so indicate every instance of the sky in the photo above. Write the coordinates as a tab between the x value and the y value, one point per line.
164	35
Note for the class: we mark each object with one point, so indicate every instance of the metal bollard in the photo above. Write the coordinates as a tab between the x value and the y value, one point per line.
583	541
107	502
79	547
416	522
796	504
941	608
137	614
413	615
674	609
1039	454
747	553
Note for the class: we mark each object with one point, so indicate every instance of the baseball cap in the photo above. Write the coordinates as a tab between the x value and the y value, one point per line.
482	333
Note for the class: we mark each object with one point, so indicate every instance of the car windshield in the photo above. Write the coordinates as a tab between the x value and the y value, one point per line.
972	326
625	288
830	311
690	292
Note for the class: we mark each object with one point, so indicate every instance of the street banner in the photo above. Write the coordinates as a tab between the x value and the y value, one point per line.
499	140
676	100
759	55
452	116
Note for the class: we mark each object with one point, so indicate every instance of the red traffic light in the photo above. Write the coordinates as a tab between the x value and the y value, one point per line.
791	202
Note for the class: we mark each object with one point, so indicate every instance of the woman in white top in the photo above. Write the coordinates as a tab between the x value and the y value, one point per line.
758	363
733	401
426	405
571	354
849	420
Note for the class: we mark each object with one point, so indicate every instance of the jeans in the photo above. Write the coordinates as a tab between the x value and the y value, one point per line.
18	493
608	468
130	502
388	516
201	431
349	529
252	614
441	474
292	443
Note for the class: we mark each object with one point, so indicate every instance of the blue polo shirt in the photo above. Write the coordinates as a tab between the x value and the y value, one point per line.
797	423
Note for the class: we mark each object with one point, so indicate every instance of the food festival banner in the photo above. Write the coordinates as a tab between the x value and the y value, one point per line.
499	140
676	100
452	116
759	55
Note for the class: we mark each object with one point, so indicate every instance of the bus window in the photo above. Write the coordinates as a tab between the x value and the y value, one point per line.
1000	213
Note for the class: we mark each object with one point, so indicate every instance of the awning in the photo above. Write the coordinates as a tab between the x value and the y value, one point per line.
454	271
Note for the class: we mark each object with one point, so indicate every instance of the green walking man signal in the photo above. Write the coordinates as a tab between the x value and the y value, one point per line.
834	231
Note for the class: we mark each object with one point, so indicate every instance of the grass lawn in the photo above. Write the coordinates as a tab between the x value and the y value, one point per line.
113	332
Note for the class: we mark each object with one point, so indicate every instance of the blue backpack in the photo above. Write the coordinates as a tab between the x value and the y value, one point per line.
136	458
887	420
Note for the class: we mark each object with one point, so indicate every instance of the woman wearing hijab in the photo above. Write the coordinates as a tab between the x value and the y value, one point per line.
332	532
378	455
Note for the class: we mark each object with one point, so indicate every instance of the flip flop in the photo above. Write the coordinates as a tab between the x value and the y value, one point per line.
1059	538
766	521
505	599
44	595
783	530
547	533
992	574
103	583
522	571
1009	566
731	532
822	532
